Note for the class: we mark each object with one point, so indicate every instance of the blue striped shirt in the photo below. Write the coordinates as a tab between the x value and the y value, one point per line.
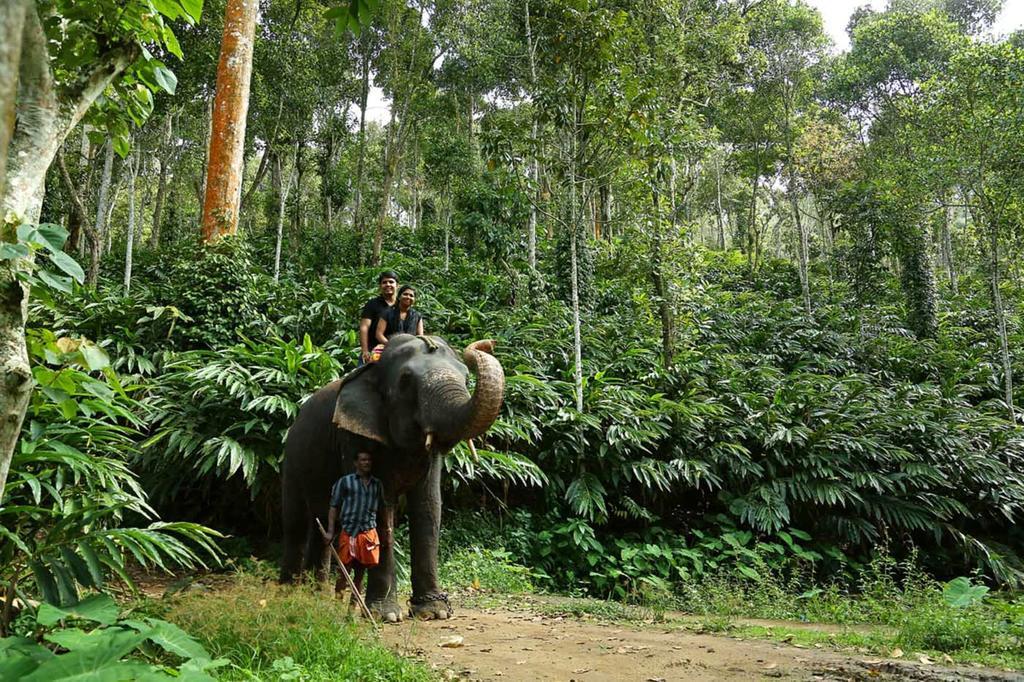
357	502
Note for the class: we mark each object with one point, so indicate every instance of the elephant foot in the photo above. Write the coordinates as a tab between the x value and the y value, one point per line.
388	611
431	606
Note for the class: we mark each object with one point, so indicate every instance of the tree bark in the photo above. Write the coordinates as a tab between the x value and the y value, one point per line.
99	226
12	23
45	116
752	223
166	163
947	251
133	170
230	107
574	276
802	242
657	274
720	219
357	200
997	304
283	200
531	230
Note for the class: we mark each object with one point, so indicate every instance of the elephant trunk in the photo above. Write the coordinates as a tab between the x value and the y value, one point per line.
490	388
449	408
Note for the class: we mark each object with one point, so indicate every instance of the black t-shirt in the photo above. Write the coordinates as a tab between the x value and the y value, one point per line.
395	323
374	309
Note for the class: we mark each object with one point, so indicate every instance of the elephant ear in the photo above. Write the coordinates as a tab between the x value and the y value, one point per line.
359	408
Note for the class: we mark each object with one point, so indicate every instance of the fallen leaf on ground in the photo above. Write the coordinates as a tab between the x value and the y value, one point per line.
897	653
925	659
580	671
946	658
771	666
453	642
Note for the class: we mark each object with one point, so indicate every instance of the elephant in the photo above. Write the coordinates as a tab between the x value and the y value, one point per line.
407	409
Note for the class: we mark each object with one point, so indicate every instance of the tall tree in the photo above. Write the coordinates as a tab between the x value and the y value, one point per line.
56	89
223	189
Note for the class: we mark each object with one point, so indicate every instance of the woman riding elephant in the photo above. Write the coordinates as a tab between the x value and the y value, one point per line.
407	410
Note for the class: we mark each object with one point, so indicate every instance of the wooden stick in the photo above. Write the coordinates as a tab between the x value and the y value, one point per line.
348	578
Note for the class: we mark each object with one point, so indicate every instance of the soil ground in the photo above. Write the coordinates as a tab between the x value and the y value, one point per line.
500	644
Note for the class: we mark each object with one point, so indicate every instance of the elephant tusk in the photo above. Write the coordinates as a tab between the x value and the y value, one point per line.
472	451
430	440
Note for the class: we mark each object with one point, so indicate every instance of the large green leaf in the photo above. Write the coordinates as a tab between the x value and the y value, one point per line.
98	608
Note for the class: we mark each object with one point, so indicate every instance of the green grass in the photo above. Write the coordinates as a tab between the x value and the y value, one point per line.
272	632
489	570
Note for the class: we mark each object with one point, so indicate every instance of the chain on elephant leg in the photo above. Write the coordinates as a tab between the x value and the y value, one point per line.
431	606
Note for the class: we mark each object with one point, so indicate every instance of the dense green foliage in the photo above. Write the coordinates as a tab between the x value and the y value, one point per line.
758	305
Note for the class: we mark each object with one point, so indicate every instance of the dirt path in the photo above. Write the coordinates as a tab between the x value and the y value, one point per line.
499	644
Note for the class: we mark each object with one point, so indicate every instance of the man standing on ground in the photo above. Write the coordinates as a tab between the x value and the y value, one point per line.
374	309
354	502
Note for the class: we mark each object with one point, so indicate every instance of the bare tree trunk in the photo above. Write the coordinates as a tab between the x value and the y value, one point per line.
231	104
357	200
531	230
657	275
99	228
752	223
166	164
802	243
133	170
947	251
718	205
116	185
997	304
283	200
574	277
447	228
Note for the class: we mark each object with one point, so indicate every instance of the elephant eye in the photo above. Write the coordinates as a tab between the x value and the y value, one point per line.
405	380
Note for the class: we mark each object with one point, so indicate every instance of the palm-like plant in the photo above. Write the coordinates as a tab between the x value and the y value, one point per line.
71	496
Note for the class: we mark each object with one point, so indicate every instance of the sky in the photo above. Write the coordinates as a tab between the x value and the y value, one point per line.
836	14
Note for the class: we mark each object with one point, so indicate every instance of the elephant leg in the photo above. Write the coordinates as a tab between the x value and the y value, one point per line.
313	555
294	533
381	590
428	601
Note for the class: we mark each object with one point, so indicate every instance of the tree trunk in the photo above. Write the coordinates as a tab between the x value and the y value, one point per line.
357	199
166	163
574	276
45	115
108	222
282	202
447	227
752	223
802	242
718	205
99	227
947	251
12	24
133	170
657	274
230	106
997	304
531	230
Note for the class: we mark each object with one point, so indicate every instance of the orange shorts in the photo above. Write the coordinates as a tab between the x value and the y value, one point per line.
364	548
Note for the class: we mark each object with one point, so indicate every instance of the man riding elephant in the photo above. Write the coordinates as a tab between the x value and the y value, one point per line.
407	410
